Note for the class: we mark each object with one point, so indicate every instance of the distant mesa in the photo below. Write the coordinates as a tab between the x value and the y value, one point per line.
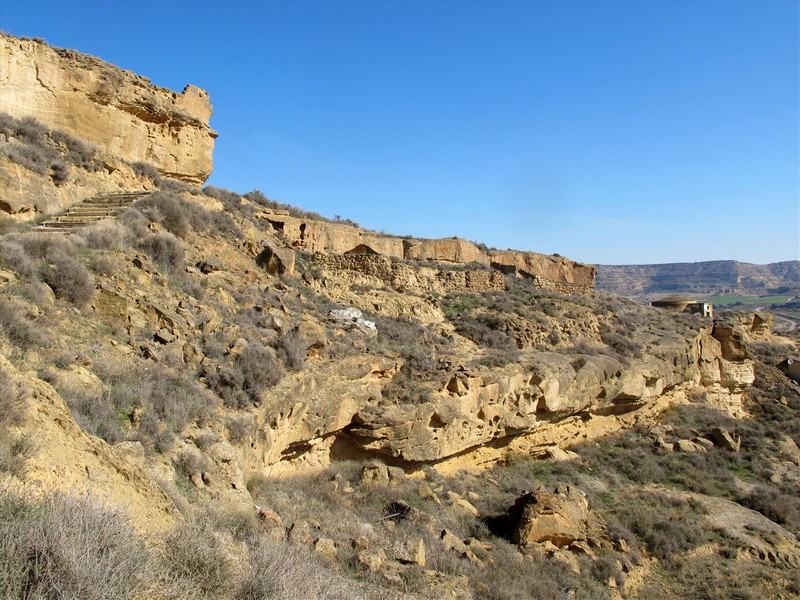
728	277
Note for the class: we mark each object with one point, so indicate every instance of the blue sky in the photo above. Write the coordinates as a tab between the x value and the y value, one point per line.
609	132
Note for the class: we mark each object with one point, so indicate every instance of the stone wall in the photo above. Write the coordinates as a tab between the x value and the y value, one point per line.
550	272
412	278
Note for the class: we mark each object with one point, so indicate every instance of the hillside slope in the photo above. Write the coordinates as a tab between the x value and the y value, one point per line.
211	395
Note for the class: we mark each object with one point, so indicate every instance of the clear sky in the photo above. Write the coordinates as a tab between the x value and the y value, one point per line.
609	132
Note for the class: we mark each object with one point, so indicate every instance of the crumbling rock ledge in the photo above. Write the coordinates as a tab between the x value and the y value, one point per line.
343	247
477	407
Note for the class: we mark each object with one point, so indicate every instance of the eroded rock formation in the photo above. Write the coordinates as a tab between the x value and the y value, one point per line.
119	111
365	252
477	407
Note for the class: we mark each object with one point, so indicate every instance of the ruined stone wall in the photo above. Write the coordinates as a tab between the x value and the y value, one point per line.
118	111
561	287
418	279
550	272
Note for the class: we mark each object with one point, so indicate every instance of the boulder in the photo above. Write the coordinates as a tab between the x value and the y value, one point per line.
374	473
410	552
687	446
352	318
558	455
560	517
275	260
325	548
454	544
725	439
299	532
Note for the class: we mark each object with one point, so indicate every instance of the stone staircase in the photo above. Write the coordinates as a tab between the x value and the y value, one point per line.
101	206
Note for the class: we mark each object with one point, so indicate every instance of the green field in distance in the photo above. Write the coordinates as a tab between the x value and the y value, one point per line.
728	300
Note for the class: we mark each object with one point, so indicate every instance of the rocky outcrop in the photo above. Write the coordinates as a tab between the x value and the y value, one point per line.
275	260
119	111
555	272
364	250
313	235
560	517
451	250
476	407
25	194
400	276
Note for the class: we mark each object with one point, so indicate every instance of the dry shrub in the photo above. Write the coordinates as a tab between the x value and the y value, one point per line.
277	570
17	327
240	382
59	266
14	257
61	547
292	348
779	505
193	462
105	265
14	448
164	248
196	558
143	169
12	400
107	235
167	402
240	427
32	145
180	217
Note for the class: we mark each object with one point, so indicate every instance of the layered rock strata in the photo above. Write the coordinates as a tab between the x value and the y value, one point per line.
400	276
554	273
119	111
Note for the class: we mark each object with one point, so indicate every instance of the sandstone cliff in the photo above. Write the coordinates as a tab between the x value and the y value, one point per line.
119	111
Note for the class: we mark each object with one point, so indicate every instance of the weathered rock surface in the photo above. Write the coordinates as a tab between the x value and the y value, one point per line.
565	274
275	260
561	517
474	408
119	111
309	235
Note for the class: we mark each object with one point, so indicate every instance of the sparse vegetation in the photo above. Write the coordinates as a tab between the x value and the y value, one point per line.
38	149
188	364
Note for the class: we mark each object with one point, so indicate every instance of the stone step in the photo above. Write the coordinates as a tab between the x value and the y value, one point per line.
91	210
60	225
79	219
107	202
